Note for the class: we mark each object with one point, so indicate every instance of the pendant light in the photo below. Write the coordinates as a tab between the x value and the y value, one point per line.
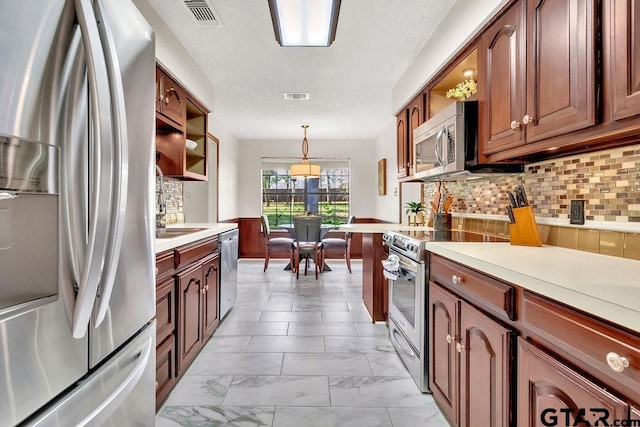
305	169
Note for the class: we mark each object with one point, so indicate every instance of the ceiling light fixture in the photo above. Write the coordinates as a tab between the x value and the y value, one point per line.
305	169
305	22
469	72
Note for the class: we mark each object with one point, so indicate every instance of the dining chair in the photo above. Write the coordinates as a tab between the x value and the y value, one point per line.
342	243
272	243
307	244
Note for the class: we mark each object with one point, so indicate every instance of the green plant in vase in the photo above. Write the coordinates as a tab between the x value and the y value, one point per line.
414	210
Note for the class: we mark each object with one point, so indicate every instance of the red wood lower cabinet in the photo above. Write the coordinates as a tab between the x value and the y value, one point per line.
190	329
211	272
484	349
165	369
443	371
550	393
470	362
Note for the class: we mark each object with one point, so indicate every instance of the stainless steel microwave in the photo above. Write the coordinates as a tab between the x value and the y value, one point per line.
446	146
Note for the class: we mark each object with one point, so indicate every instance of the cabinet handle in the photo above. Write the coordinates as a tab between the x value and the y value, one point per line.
617	362
157	270
515	125
459	347
455	279
527	119
449	339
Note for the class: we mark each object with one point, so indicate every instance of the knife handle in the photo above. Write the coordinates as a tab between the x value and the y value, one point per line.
522	196
512	219
512	199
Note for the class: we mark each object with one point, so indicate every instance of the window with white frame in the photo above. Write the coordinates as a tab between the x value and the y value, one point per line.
284	197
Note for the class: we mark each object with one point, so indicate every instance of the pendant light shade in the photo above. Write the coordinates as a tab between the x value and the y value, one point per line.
304	168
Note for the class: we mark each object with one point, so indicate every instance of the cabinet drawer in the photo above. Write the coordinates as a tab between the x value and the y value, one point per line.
489	293
165	369
588	340
164	264
165	309
193	251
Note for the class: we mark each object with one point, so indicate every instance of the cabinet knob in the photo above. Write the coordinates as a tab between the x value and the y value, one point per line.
449	338
527	119
455	279
515	125
459	347
617	362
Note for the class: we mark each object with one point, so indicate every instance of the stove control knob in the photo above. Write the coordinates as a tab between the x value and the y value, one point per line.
411	247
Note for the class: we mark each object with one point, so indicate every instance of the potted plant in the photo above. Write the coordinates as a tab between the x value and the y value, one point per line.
414	212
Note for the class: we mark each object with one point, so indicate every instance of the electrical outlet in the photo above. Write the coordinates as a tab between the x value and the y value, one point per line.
577	212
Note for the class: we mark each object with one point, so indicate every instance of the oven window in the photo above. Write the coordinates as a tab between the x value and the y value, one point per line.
404	295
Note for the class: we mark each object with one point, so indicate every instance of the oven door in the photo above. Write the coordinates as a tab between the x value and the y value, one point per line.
406	299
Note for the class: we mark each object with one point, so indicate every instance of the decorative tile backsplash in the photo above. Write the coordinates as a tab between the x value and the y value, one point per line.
174	199
608	181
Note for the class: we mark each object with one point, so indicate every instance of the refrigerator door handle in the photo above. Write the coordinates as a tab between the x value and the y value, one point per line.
100	209
102	412
120	165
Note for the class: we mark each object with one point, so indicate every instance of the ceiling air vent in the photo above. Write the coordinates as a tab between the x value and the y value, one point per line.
203	12
296	96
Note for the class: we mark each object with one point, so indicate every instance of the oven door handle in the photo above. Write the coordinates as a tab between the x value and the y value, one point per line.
408	351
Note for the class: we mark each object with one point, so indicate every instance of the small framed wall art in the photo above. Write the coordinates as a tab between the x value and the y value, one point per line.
382	177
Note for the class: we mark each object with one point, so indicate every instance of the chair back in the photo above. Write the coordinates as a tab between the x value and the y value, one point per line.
265	225
350	220
307	228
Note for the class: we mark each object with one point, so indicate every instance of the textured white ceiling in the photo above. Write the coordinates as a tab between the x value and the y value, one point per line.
349	83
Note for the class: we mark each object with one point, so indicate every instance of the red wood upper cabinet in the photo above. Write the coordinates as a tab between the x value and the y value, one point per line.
539	64
561	67
170	98
623	32
417	115
501	63
402	141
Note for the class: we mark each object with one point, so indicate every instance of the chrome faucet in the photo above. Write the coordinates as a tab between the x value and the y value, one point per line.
161	206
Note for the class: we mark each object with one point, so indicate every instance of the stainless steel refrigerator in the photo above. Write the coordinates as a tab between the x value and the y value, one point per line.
77	294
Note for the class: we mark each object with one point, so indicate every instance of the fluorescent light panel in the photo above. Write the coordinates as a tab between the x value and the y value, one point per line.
304	22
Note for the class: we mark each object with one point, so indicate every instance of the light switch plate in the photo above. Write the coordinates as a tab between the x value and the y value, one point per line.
576	216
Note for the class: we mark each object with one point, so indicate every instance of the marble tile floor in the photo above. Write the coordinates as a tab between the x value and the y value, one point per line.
298	353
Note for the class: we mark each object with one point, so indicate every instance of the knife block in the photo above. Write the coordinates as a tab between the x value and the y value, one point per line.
525	231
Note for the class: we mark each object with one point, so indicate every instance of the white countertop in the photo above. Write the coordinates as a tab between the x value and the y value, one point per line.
605	286
381	227
209	229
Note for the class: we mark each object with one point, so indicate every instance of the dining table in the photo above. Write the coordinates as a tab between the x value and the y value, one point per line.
324	229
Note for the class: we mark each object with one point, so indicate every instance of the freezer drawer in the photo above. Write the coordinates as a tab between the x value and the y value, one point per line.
119	393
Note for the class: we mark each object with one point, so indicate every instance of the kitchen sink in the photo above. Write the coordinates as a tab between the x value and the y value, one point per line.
169	233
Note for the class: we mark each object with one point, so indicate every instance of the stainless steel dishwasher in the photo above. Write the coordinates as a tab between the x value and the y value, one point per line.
228	271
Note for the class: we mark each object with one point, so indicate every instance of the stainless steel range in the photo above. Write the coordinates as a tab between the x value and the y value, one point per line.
406	271
408	292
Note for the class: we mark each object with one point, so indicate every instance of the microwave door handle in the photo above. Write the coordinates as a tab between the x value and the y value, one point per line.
100	207
120	165
439	144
